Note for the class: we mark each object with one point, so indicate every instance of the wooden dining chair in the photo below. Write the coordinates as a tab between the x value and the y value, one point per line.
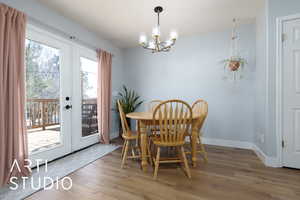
200	106
129	137
174	120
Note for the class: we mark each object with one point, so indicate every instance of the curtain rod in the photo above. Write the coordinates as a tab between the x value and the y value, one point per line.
64	34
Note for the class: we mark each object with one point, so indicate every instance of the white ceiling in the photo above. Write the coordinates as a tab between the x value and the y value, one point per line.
122	21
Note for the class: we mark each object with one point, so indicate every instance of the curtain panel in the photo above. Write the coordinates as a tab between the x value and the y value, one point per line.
104	94
13	139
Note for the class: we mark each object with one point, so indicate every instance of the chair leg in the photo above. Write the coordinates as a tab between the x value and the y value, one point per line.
125	154
152	149
191	147
149	154
132	150
156	163
178	149
185	162
123	148
203	150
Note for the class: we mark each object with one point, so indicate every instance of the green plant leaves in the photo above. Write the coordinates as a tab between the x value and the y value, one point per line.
129	99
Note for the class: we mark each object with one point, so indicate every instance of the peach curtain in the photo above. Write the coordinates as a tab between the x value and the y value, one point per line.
104	94
13	144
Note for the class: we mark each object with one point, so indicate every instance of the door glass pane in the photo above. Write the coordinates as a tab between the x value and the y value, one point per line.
89	119
42	93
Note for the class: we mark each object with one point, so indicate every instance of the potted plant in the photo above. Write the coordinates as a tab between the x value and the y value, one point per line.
235	63
129	100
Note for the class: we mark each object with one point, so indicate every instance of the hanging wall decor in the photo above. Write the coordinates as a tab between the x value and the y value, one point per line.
234	65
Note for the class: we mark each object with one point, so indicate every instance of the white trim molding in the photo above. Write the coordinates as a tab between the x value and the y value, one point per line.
279	32
114	135
227	143
267	160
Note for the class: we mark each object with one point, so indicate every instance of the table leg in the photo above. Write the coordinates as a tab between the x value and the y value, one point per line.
194	146
143	129
138	130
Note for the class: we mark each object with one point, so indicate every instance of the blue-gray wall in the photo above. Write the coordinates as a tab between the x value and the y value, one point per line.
260	116
192	70
49	19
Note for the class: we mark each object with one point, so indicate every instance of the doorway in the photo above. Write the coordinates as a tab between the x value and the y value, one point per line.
288	100
61	95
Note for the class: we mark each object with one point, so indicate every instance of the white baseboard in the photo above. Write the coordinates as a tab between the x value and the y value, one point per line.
227	143
267	160
114	135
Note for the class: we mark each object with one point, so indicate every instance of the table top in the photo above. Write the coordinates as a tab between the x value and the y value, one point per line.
149	115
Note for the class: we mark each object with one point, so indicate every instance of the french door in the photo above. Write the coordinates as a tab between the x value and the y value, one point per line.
61	96
85	121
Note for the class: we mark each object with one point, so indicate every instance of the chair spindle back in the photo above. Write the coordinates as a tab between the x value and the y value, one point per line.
174	120
200	107
125	127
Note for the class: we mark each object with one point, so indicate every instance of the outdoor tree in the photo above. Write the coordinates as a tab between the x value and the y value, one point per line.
43	72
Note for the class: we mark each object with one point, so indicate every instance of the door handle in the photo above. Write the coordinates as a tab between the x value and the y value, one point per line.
67	107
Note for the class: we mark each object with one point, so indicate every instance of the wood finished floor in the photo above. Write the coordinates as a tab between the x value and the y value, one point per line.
230	174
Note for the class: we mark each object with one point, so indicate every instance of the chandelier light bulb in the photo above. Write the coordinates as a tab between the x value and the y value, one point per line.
156	31
173	35
143	39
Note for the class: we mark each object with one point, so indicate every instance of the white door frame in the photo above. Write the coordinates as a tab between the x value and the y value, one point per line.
279	97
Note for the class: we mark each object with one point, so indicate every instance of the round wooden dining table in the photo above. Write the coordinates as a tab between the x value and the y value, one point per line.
145	119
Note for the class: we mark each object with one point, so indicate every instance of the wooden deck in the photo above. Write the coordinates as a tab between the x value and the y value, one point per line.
45	113
39	139
230	174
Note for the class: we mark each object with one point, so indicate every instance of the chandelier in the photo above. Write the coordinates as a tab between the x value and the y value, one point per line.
155	44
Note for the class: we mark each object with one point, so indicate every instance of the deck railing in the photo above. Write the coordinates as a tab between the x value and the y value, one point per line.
41	113
89	117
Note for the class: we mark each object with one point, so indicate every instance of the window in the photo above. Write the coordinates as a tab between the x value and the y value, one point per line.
42	95
89	72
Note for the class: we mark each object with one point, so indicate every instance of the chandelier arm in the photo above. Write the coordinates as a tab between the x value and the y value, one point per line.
159	46
157	43
166	49
147	47
170	45
164	44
